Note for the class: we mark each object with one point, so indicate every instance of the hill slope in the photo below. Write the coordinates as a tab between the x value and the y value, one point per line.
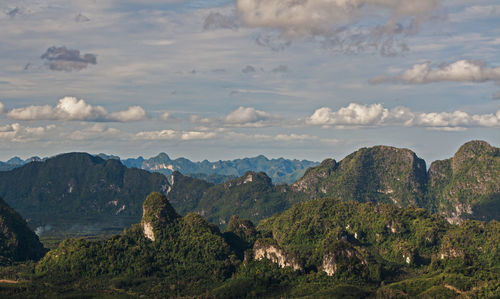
17	241
251	196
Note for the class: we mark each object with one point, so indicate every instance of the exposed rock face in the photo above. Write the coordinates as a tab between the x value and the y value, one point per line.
467	186
378	174
272	252
157	212
342	252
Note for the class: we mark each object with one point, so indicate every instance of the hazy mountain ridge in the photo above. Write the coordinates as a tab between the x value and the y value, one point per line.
279	170
78	188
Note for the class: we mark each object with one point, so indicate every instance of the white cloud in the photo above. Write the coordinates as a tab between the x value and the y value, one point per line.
356	115
133	113
459	71
248	117
17	133
70	108
175	135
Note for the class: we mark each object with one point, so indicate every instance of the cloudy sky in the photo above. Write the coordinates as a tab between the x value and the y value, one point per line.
222	79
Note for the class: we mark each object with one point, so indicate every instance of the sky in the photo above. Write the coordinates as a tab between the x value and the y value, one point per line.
225	79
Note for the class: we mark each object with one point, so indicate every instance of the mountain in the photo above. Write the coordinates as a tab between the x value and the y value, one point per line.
252	196
322	248
379	174
16	162
17	241
279	170
77	191
468	184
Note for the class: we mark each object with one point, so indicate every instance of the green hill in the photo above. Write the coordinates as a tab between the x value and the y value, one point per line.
17	241
165	256
323	248
78	191
380	174
252	196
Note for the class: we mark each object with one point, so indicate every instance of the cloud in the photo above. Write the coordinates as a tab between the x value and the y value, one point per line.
1	107
97	131
216	20
63	59
356	115
175	135
165	116
81	18
248	69
17	133
281	69
14	12
133	113
458	71
496	96
70	108
332	21
248	117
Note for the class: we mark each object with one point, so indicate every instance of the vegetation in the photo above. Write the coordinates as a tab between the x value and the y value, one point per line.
252	196
17	241
345	249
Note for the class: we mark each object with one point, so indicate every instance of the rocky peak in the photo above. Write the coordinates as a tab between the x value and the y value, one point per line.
269	249
157	212
472	150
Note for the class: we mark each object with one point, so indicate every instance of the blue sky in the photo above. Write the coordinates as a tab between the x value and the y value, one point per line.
227	79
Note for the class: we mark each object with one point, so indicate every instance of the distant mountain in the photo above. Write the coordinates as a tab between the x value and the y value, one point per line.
78	191
279	170
17	241
16	162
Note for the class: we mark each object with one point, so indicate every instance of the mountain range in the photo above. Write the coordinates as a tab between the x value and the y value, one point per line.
84	193
280	170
